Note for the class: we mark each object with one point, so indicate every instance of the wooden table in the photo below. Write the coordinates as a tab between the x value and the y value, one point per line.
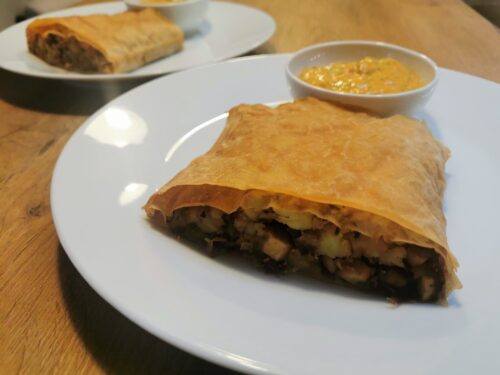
51	321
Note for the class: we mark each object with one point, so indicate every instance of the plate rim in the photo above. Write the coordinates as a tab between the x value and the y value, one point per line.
95	78
213	355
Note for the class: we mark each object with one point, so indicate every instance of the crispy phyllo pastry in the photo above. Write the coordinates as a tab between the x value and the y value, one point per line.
102	43
312	186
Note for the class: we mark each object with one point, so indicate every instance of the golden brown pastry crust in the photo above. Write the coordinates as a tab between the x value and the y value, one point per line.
388	172
126	40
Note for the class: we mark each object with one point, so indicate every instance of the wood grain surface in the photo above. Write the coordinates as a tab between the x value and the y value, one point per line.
51	321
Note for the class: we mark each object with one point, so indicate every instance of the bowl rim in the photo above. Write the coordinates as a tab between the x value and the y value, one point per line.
138	3
414	53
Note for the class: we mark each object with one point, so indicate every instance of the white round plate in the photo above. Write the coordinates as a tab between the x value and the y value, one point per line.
226	311
229	30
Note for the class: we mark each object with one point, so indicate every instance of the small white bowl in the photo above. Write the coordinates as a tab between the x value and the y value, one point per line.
187	14
351	50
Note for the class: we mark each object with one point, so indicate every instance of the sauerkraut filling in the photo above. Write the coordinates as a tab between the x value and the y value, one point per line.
286	240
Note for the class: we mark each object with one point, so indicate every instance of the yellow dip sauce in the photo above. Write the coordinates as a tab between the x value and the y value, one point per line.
366	76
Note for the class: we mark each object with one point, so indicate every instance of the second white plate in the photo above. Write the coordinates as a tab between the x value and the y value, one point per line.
229	30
